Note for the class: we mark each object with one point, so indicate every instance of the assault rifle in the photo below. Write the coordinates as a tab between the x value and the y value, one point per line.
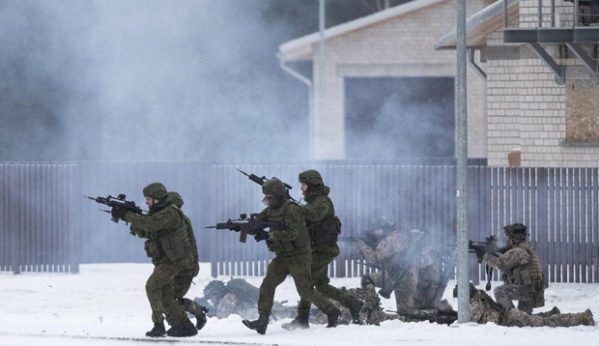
252	226
433	316
118	201
481	248
261	180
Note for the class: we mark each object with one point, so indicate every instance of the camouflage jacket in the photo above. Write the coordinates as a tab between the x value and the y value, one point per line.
166	231
319	213
293	239
520	265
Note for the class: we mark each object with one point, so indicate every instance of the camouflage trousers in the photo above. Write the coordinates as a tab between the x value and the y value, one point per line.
182	284
483	309
404	289
160	289
504	295
320	278
518	318
298	267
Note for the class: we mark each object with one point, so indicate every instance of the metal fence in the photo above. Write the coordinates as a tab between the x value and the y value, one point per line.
47	225
38	221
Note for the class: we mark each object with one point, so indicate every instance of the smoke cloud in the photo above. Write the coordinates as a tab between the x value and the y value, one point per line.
146	80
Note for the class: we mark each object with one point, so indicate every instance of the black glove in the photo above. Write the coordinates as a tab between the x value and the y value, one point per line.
261	235
118	212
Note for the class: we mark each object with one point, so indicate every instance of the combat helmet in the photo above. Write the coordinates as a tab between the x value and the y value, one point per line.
175	198
274	187
515	231
156	191
275	192
311	177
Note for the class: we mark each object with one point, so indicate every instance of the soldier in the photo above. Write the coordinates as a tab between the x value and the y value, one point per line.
291	245
484	309
521	270
409	267
239	297
168	246
324	227
184	278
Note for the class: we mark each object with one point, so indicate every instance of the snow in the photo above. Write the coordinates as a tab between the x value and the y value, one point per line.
105	304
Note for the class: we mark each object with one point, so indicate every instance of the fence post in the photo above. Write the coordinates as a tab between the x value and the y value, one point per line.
541	231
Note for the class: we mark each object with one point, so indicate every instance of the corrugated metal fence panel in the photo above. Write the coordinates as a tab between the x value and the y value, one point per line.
39	217
48	226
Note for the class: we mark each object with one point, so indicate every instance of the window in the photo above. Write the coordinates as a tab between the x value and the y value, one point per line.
582	111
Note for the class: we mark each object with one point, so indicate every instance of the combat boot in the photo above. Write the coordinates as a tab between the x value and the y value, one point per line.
258	325
299	322
201	317
586	318
157	331
355	306
333	318
553	311
185	328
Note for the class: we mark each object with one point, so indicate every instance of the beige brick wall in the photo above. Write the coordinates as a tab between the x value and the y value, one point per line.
526	107
402	46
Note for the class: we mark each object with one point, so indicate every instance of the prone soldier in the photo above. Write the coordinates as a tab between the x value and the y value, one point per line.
484	309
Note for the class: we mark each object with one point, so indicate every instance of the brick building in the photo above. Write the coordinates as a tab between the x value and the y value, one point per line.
397	42
542	91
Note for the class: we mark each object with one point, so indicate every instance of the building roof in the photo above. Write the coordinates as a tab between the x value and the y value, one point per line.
302	48
481	25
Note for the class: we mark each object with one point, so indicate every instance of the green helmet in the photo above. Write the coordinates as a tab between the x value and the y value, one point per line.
310	177
274	187
175	198
515	231
155	190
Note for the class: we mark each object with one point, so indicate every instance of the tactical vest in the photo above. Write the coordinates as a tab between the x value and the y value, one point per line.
169	245
286	247
531	275
325	231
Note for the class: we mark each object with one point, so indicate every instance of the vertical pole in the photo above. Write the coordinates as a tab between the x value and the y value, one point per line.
540	13
575	13
462	167
553	13
505	14
321	101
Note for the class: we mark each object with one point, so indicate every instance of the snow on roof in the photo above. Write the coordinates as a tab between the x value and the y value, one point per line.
301	48
480	25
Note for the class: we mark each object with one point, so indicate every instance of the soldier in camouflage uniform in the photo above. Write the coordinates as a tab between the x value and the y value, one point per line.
521	270
185	277
239	297
291	245
484	309
417	282
169	247
324	227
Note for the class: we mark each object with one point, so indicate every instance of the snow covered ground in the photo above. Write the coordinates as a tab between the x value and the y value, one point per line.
106	305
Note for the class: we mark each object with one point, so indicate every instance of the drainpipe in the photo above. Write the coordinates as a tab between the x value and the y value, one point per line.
473	64
308	83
